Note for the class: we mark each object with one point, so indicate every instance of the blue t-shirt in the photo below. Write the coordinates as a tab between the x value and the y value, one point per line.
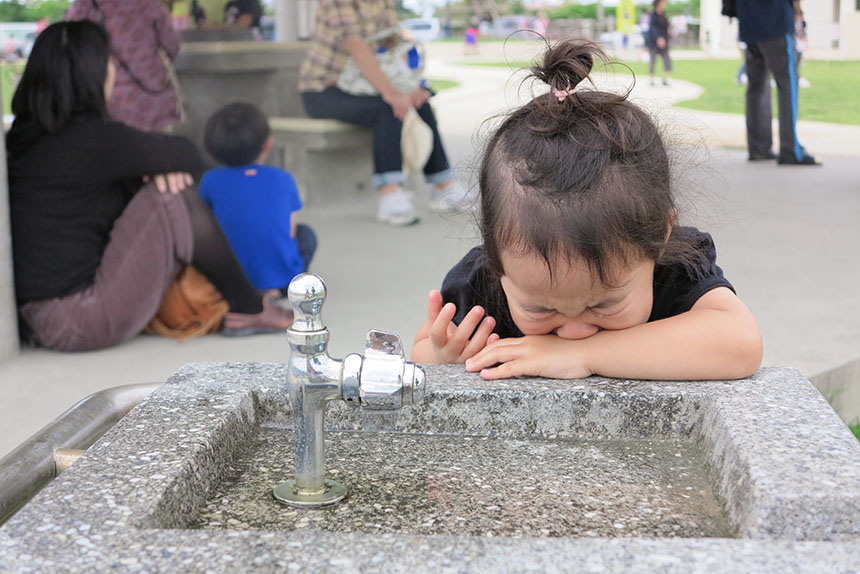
762	20
254	205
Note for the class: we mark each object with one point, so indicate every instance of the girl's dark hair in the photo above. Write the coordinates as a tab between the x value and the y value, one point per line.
65	75
582	175
236	133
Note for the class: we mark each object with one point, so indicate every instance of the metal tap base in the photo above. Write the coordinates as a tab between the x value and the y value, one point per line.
290	494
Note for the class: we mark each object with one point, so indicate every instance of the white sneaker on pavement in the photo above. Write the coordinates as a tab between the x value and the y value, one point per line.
452	199
396	208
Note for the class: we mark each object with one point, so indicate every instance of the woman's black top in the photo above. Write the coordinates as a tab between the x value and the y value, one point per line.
66	190
677	286
658	27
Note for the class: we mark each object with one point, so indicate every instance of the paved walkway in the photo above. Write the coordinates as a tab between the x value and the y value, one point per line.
787	237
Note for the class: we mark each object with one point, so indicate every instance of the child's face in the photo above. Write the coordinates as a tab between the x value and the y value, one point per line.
574	305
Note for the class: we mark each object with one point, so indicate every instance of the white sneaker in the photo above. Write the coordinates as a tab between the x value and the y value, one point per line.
452	199
396	208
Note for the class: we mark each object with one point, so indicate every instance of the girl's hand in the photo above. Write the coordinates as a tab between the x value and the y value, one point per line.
171	182
451	343
547	356
661	43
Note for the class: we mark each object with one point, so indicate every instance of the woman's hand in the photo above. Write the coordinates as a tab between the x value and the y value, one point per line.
400	103
419	97
452	343
547	356
661	43
171	182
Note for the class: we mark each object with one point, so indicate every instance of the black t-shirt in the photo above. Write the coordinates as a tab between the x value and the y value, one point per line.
677	286
66	190
236	8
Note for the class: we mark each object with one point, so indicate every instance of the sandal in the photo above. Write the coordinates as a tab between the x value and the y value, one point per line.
272	319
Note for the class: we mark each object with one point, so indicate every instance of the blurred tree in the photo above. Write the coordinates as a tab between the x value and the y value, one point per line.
402	12
32	10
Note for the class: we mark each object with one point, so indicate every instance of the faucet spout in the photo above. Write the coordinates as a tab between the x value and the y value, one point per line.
381	380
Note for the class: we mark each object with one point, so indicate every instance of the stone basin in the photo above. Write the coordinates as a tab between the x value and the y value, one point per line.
478	486
513	475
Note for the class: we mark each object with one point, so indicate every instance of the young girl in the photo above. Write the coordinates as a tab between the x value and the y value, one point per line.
583	270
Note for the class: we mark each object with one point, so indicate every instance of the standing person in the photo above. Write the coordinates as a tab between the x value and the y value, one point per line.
658	40
243	14
767	28
341	29
94	249
256	205
143	42
583	269
238	14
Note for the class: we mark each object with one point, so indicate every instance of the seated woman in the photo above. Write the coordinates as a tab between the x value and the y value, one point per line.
95	249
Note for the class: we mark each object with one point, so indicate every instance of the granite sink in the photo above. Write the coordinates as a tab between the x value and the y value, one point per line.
482	476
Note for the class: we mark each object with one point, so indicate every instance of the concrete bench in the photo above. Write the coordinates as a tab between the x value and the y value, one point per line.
328	158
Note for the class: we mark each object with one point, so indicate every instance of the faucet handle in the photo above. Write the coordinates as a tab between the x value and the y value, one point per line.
307	293
382	379
383	344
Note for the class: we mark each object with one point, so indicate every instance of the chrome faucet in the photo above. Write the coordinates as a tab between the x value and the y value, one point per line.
381	380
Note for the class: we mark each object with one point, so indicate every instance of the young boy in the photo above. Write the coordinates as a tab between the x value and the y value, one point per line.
255	204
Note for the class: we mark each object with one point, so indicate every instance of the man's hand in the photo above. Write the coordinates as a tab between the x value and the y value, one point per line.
400	103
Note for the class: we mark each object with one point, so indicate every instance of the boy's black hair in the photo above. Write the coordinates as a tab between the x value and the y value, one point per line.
578	175
235	134
65	75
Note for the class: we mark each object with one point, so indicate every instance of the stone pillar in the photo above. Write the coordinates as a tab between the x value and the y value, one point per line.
286	21
8	316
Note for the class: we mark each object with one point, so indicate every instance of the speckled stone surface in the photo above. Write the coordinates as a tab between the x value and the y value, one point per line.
479	486
785	468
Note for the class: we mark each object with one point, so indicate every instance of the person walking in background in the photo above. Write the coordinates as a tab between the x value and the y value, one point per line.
256	205
143	44
658	41
767	27
801	40
471	46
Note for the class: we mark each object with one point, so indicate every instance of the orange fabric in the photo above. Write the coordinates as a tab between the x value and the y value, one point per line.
191	307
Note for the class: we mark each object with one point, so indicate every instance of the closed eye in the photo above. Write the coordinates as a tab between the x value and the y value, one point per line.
607	309
539	311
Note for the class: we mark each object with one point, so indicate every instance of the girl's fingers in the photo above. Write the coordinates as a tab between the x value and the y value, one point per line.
466	328
498	351
503	371
434	305
439	326
481	337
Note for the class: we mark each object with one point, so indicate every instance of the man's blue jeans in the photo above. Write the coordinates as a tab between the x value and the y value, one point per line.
373	112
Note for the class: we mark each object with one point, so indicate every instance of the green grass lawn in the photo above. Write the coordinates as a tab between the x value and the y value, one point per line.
832	96
10	73
855	428
439	84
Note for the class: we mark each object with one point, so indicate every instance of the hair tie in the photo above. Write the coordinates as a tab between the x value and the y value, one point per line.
561	95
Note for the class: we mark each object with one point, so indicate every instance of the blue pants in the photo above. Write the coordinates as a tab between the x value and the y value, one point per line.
778	57
373	112
307	240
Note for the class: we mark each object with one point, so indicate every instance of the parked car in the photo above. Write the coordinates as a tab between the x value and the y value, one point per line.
423	29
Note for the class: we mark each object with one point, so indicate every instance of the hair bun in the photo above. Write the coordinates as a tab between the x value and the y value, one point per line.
567	63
